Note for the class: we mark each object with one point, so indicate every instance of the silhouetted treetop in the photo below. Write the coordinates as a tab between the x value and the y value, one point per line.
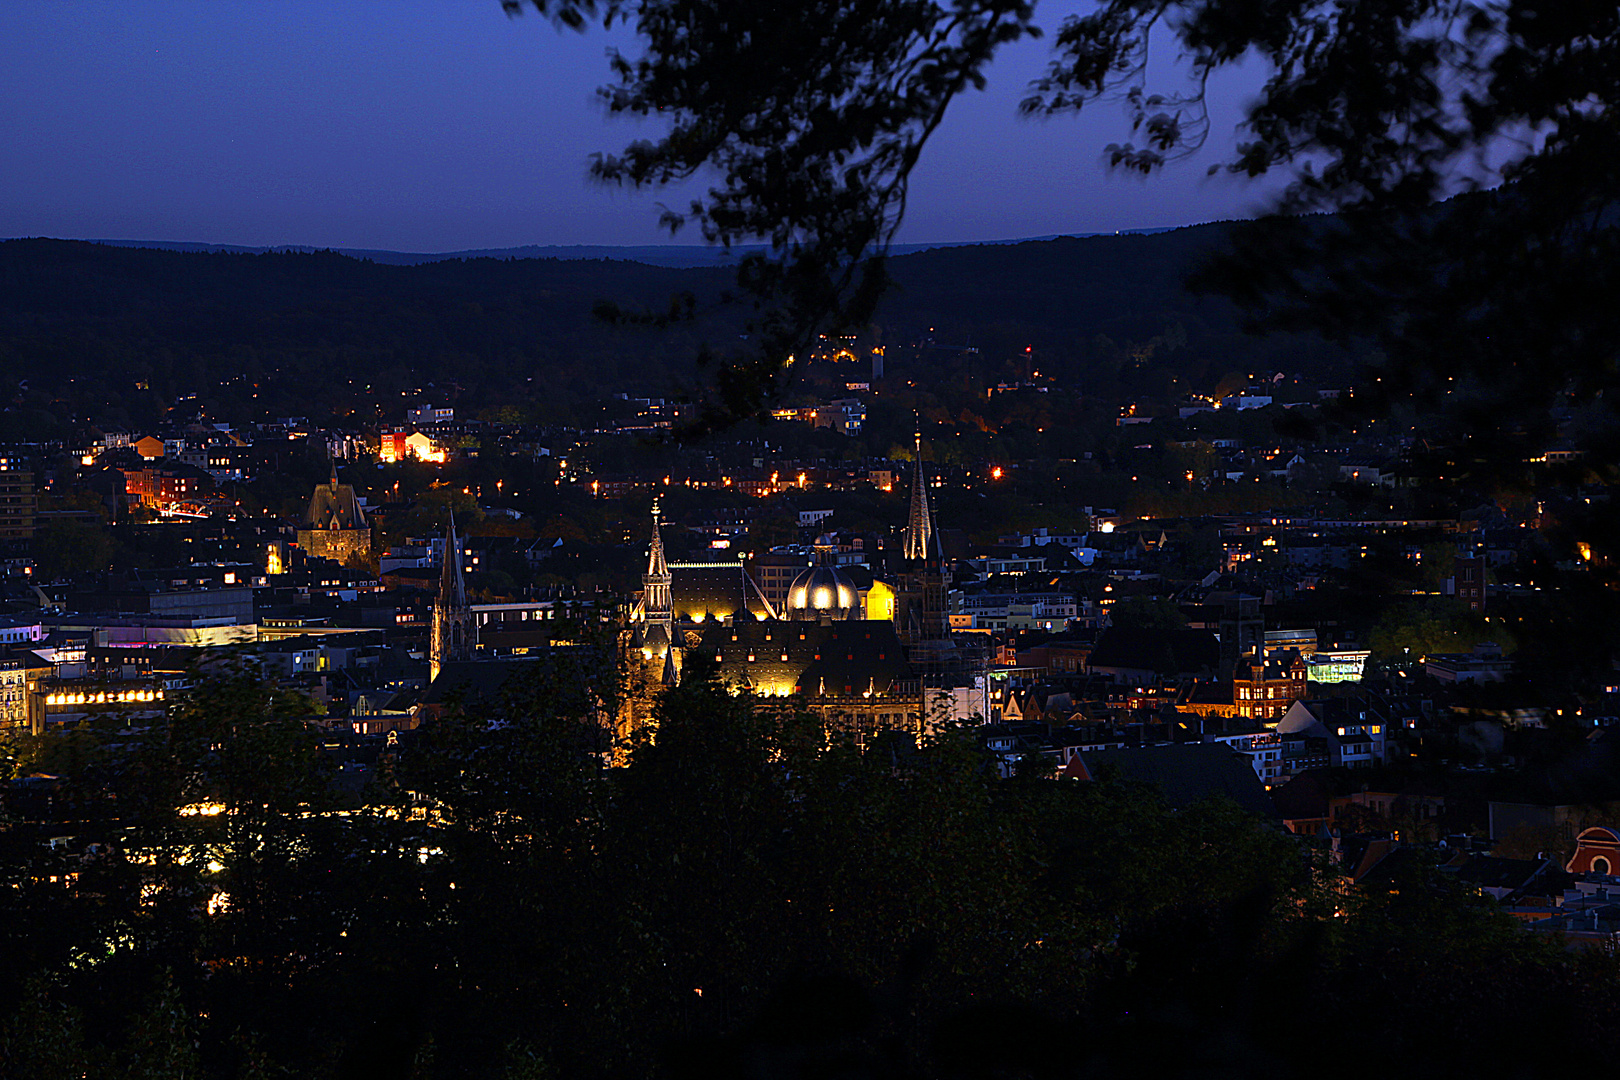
814	117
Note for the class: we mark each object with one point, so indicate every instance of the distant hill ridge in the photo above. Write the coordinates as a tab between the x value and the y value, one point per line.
1128	286
123	331
678	256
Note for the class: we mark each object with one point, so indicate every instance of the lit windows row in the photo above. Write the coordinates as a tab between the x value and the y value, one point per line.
113	697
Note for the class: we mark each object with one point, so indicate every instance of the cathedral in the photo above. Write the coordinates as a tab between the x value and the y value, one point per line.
864	660
334	526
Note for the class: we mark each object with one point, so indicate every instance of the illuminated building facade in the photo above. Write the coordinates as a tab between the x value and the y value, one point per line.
852	673
1263	688
658	602
14	710
823	593
399	444
166	488
878	602
335	525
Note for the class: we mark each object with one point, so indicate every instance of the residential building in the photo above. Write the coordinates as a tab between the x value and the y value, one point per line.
17	504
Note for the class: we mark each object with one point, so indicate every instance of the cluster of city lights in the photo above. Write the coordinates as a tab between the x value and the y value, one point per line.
104	697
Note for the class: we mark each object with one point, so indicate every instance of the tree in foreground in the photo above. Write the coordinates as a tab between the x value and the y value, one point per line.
741	895
812	118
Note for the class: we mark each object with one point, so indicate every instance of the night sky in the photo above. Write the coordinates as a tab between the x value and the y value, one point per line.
437	125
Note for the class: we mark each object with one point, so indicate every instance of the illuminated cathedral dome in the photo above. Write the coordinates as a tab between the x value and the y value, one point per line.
823	589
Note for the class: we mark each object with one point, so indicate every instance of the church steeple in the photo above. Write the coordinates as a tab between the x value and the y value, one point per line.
919	534
658	604
920	612
452	616
452	579
656	568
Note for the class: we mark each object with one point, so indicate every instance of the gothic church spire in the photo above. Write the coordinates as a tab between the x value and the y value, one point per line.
919	534
658	603
452	635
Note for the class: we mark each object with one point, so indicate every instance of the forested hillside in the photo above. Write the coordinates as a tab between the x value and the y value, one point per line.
121	333
93	324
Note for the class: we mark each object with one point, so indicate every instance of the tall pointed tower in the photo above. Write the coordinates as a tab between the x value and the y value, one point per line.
453	630
658	603
919	522
920	611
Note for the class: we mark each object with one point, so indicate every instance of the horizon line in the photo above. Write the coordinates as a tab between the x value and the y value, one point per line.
685	254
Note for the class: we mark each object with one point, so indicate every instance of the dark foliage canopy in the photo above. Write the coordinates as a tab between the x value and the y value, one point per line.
739	898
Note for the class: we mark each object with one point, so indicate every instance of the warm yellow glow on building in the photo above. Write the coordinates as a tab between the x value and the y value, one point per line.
104	697
880	601
422	448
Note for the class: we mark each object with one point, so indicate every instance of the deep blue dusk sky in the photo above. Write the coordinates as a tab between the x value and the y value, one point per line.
437	125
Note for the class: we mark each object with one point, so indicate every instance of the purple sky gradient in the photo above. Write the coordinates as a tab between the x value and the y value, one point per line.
438	125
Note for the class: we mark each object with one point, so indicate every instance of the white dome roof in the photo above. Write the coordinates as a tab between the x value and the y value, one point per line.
822	588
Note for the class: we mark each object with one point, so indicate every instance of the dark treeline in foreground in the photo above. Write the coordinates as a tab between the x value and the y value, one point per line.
736	899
